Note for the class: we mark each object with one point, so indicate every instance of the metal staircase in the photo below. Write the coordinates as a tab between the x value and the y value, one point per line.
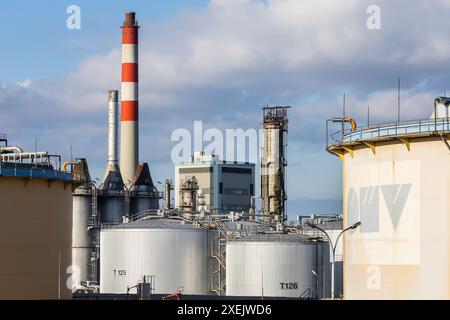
218	252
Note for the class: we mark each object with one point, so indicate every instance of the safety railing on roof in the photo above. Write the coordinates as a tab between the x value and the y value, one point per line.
388	130
32	172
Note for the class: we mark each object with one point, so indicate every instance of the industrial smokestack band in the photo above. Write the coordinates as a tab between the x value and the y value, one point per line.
129	144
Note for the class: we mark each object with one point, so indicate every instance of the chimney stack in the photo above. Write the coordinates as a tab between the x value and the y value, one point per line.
129	142
113	125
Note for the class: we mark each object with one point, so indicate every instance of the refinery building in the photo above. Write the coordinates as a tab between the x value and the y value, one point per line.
222	186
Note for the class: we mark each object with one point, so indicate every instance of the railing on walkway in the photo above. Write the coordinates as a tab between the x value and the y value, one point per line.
32	172
388	130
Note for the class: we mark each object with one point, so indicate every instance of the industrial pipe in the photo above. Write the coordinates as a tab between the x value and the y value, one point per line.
14	149
24	155
349	120
68	163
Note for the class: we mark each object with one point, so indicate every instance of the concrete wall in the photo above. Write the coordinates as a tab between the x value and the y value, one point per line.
402	198
35	238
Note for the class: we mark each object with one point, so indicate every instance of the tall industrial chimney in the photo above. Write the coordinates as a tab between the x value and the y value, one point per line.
112	179
129	142
113	125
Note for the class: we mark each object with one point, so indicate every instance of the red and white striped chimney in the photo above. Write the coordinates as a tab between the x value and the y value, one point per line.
129	142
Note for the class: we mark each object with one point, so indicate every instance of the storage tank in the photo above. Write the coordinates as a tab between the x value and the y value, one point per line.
83	222
177	254
82	247
35	229
277	265
396	181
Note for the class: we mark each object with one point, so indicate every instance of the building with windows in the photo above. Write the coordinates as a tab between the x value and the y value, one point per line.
223	186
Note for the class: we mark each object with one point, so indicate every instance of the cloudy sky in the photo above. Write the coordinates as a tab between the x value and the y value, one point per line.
220	61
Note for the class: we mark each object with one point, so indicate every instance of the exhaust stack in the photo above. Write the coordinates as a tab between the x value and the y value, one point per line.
129	142
113	125
112	179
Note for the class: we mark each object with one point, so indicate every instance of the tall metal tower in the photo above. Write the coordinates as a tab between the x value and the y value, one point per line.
273	164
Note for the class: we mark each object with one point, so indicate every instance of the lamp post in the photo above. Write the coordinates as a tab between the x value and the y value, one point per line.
333	247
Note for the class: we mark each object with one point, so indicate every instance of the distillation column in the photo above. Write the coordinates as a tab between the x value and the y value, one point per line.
273	164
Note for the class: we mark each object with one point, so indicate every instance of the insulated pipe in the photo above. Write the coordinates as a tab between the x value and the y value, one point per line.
113	124
167	189
15	149
129	143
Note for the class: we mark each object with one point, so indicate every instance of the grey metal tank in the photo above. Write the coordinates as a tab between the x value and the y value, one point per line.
277	265
81	241
176	254
82	245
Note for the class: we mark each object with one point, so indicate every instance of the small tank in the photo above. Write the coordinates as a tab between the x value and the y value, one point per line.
278	265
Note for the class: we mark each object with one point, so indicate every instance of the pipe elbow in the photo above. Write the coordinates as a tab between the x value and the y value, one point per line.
352	122
68	163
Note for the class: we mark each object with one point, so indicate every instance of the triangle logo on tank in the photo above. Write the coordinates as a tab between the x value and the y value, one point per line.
363	205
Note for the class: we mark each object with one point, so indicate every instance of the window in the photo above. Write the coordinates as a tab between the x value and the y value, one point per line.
236	170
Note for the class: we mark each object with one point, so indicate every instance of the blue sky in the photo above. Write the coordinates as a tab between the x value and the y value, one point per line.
220	61
37	36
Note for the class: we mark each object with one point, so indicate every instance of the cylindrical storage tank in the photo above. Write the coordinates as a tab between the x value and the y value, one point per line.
177	255
277	265
112	207
35	232
82	246
396	181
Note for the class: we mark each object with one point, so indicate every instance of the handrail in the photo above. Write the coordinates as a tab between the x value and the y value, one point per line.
387	130
44	173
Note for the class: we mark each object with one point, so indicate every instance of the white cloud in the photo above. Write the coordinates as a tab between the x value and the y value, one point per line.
25	83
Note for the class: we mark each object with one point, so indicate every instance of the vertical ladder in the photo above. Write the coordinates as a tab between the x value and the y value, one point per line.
94	230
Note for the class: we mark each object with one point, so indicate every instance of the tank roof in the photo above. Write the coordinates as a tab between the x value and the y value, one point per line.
161	224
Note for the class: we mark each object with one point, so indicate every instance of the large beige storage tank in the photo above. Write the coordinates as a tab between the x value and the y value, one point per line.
396	181
176	254
277	265
35	232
